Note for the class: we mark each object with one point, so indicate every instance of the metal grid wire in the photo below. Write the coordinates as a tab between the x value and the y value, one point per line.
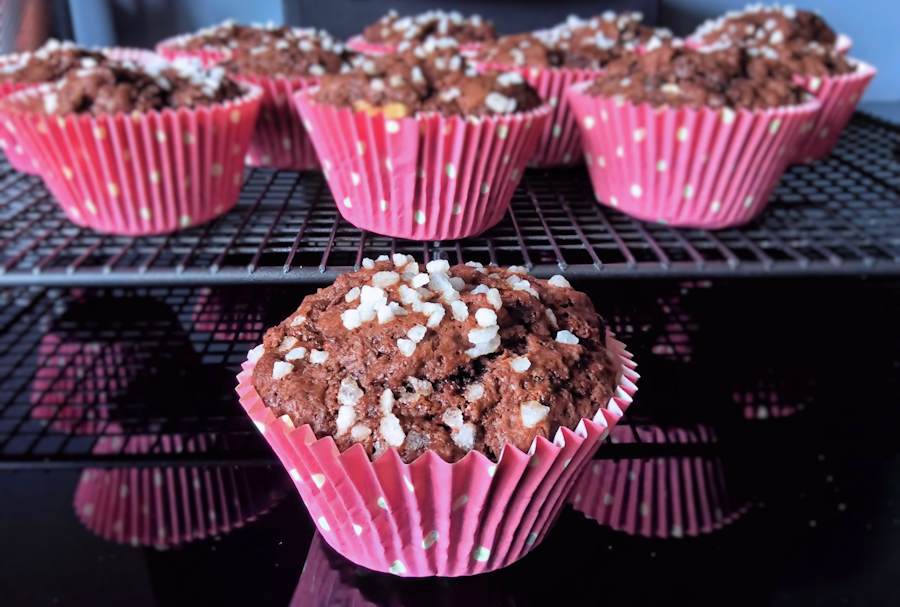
837	216
120	376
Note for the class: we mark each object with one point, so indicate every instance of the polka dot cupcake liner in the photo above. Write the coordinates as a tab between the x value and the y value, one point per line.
687	167
838	96
141	173
375	49
428	177
172	48
662	497
560	143
279	140
431	517
16	154
164	507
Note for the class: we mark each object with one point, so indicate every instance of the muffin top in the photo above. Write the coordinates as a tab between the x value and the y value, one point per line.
393	29
622	31
448	359
809	60
231	35
294	52
50	62
404	84
770	25
678	76
123	86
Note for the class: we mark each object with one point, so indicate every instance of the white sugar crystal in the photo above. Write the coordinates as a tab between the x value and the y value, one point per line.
482	349
499	103
518	269
438	266
298	320
566	337
474	392
559	281
420	280
480	289
453	418
256	353
483	335
386	401
351	319
509	79
295	354
349	393
459	310
409	296
281	369
366	313
493	297
399	259
391	430
406	346
417	333
385	279
382	258
368	263
360	433
524	285
550	316
346	417
465	436
485	317
435	318
317	357
385	314
520	364
457	283
420	386
372	297
352	295
475	264
533	413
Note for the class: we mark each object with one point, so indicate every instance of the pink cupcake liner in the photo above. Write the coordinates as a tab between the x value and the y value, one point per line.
171	49
428	177
665	497
560	143
377	49
432	517
838	96
688	167
227	320
279	139
16	154
163	507
144	173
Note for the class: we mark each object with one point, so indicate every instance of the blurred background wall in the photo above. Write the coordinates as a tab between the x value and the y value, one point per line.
874	25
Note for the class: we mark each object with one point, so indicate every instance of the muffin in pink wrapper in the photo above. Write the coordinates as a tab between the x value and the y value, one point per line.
281	65
166	506
689	138
665	497
434	475
838	95
411	160
153	157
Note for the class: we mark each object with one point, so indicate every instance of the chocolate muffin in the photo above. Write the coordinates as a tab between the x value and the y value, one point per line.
113	87
437	358
51	62
767	25
402	85
293	52
392	29
230	35
677	76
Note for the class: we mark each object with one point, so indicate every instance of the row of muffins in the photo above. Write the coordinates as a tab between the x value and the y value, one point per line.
517	88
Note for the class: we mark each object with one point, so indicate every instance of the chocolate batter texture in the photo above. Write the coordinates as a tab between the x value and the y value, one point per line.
122	86
677	76
767	25
401	85
231	35
394	29
437	358
52	61
293	52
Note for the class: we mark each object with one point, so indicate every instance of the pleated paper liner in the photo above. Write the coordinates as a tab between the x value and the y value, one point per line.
428	177
377	49
838	96
560	143
144	173
279	140
432	517
662	497
167	506
16	154
172	49
686	167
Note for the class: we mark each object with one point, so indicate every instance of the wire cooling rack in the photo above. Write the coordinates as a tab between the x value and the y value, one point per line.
837	216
